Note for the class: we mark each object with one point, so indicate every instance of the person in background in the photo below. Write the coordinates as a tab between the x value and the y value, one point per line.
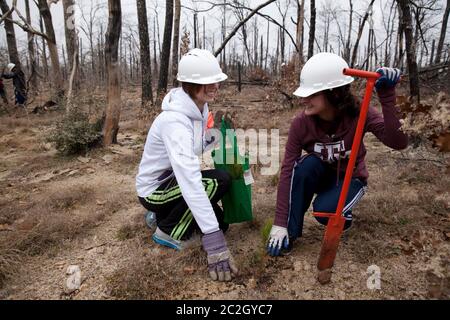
20	87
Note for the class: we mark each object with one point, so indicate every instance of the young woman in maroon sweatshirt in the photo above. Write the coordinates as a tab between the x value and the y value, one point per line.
324	131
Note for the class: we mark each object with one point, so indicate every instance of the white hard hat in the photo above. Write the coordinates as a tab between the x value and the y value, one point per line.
10	66
321	72
201	67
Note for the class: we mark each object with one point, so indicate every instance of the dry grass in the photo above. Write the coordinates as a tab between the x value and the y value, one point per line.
58	216
12	123
127	231
192	258
147	278
45	224
382	217
10	261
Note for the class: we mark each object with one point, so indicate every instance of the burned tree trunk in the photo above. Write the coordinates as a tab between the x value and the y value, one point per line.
312	29
112	116
53	49
165	53
410	50
176	41
155	61
10	37
71	40
349	36
146	69
300	17
31	50
44	48
443	31
360	31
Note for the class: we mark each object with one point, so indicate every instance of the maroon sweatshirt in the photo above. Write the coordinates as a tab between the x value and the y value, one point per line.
332	142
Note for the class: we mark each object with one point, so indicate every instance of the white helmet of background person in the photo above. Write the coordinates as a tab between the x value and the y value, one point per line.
10	67
201	67
321	72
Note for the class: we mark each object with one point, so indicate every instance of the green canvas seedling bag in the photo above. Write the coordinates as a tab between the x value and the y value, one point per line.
237	202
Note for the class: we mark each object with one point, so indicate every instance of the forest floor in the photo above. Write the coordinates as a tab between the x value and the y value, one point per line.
59	211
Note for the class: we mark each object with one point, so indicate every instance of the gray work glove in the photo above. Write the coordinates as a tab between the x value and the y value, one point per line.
220	262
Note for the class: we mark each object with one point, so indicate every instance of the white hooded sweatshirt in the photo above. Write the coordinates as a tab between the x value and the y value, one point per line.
174	142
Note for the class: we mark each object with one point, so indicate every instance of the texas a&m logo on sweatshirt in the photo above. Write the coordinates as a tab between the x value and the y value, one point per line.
331	152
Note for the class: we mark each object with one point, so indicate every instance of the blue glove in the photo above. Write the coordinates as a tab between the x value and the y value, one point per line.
389	77
278	239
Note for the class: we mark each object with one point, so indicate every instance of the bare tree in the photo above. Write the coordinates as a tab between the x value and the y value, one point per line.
443	31
87	25
299	38
239	25
176	41
10	35
195	30
71	40
389	28
399	52
112	114
155	61
349	35
44	47
165	53
283	10
53	49
410	49
146	69
240	15
31	49
360	31
312	28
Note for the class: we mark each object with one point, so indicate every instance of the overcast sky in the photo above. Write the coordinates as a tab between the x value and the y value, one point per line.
213	18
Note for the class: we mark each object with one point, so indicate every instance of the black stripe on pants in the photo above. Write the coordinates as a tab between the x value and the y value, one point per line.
172	213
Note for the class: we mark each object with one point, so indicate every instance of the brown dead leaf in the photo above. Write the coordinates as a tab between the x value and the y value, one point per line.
443	142
107	158
64	171
71	173
447	235
5	227
423	108
407	249
101	202
189	270
45	178
83	159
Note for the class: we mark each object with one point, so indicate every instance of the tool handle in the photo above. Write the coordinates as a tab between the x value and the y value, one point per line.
361	73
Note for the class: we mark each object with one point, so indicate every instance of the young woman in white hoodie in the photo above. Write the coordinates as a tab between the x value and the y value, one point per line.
170	181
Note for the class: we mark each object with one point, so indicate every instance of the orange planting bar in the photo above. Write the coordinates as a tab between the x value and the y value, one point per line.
323	214
336	221
361	73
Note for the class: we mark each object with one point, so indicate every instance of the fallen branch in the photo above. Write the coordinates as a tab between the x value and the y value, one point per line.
255	83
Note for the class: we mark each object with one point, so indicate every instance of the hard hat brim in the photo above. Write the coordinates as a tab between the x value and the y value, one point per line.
208	80
306	92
